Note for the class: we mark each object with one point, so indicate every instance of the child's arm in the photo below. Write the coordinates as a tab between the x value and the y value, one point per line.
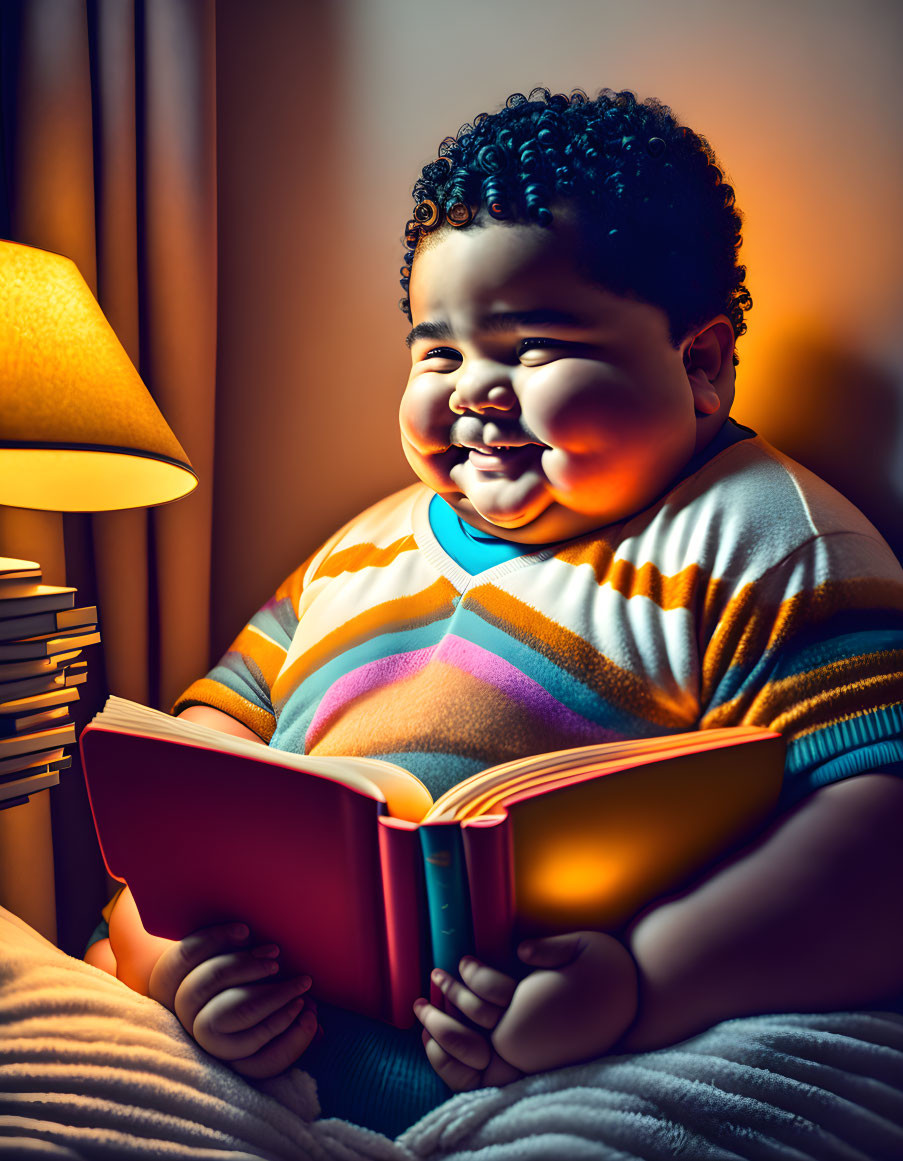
131	952
802	920
807	919
206	715
223	991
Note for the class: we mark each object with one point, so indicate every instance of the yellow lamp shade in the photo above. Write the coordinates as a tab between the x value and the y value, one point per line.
79	431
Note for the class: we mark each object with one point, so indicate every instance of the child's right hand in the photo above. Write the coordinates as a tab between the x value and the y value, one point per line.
225	996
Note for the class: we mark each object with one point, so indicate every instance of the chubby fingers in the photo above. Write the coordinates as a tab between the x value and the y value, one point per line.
458	1054
235	986
456	1040
181	958
482	997
239	1022
487	982
283	1050
458	1076
235	1006
555	951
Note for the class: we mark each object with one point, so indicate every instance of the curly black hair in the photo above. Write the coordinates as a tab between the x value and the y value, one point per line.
658	217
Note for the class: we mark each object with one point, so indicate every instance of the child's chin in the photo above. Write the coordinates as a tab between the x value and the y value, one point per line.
502	502
541	528
504	521
502	524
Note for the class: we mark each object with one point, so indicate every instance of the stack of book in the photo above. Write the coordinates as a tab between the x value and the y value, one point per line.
41	636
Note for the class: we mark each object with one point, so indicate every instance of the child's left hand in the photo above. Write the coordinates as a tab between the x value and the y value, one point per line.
575	1005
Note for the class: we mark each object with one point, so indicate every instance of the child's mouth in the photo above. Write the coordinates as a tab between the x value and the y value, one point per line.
500	458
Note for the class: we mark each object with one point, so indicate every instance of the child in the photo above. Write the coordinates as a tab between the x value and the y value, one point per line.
598	552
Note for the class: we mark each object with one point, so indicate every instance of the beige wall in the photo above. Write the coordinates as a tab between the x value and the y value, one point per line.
327	112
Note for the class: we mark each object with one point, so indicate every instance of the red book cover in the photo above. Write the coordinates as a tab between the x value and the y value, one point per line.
203	836
207	828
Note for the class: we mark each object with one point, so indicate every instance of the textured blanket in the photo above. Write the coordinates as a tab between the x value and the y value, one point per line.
90	1070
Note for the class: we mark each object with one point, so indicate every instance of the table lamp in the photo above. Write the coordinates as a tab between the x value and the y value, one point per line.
79	432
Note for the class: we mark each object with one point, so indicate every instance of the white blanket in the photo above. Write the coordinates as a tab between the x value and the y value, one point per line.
89	1070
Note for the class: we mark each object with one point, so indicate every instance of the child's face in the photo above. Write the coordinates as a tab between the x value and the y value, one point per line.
539	405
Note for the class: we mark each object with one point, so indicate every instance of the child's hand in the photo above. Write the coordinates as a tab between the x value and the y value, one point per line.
575	1005
462	1056
225	996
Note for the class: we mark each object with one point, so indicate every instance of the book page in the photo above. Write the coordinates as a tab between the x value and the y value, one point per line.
484	792
404	794
592	852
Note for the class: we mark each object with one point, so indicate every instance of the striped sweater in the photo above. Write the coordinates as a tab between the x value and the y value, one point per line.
751	593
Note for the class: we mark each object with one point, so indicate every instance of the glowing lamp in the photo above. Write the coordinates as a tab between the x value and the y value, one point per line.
79	431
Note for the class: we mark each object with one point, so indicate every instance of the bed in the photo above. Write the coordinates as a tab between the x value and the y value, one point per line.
89	1069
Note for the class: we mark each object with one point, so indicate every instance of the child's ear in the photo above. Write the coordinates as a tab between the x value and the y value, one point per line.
708	356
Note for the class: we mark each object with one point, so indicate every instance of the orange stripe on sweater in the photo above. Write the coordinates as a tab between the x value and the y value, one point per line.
430	604
364	555
820	694
211	693
749	629
646	580
850	715
269	656
570	652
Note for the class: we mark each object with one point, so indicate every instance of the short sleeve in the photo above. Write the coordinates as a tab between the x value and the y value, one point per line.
240	683
814	649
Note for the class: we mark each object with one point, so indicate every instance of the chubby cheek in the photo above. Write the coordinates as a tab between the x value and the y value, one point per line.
424	420
619	480
572	404
424	415
434	469
581	481
585	406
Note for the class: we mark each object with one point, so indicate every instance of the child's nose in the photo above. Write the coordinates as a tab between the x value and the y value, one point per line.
486	386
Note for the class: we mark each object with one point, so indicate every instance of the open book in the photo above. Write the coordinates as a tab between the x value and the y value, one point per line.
366	883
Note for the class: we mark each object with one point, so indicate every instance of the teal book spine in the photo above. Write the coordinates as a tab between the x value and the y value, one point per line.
447	894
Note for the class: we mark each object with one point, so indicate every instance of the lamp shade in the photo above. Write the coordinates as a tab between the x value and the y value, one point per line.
79	431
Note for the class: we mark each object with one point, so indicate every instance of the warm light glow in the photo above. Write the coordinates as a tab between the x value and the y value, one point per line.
576	876
63	480
592	852
79	430
596	878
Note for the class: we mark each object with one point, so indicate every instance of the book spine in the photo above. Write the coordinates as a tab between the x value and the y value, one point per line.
490	873
447	893
401	866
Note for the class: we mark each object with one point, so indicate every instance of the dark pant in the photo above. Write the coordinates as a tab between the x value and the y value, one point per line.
370	1073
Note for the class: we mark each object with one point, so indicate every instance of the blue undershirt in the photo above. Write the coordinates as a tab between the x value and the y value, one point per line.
474	551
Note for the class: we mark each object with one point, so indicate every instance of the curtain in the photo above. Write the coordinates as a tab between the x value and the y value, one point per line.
109	157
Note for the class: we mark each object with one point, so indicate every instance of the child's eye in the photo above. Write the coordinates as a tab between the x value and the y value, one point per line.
527	345
447	353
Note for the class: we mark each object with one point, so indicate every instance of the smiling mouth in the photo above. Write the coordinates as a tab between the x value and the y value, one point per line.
495	448
492	448
498	457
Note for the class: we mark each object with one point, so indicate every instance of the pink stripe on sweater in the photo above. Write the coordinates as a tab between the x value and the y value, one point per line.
468	658
373	675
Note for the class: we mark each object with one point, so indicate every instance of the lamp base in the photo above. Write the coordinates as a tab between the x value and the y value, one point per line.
27	884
